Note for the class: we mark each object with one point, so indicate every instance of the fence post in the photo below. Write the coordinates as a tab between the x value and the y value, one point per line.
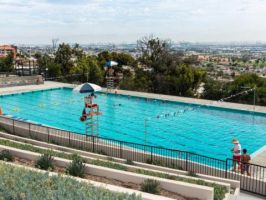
226	167
121	150
29	130
69	138
13	123
48	132
151	154
93	147
186	161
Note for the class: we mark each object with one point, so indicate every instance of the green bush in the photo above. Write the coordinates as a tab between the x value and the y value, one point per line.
110	159
101	152
6	156
150	186
191	173
129	162
109	164
76	167
22	184
2	129
45	162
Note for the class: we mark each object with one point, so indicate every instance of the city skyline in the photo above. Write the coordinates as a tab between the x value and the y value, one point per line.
118	21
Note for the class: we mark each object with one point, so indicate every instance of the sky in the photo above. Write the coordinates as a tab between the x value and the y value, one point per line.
118	21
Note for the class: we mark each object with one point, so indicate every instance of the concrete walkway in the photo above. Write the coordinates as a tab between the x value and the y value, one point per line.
259	157
25	88
249	196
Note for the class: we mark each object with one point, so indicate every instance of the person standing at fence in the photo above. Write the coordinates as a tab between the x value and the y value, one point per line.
245	158
236	153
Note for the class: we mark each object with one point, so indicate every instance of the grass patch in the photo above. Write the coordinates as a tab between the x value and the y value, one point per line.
19	183
29	147
109	164
156	174
164	164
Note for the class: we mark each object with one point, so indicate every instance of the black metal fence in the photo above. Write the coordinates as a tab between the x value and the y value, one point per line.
252	177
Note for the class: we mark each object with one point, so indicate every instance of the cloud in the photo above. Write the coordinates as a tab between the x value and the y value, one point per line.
126	19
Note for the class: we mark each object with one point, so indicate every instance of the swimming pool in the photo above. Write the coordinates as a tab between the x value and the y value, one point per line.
199	129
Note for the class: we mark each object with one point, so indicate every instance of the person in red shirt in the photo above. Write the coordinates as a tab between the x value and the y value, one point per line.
236	153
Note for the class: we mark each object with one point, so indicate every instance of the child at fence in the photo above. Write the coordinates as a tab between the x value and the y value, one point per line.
245	158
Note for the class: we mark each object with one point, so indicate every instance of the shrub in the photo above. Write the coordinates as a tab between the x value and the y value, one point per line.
129	162
191	173
76	167
2	129
154	162
101	152
45	162
6	156
150	186
219	192
110	158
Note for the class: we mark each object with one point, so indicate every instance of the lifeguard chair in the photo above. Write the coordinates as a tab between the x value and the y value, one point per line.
90	115
110	74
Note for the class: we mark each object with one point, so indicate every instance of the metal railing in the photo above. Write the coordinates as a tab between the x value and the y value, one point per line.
253	181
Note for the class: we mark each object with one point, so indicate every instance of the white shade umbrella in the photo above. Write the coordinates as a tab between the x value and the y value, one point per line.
87	88
111	64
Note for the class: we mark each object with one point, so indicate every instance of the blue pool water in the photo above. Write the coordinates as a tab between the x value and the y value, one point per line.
203	130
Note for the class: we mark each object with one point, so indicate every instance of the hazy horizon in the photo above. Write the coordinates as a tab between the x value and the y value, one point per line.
126	21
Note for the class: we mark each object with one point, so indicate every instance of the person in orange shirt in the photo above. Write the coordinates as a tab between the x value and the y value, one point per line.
245	158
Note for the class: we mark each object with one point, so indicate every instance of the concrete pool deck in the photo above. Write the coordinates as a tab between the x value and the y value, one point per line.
259	157
25	88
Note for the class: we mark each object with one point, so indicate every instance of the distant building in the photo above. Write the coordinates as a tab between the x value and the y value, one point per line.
7	49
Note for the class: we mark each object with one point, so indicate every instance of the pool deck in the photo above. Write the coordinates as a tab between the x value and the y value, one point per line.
259	157
46	85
